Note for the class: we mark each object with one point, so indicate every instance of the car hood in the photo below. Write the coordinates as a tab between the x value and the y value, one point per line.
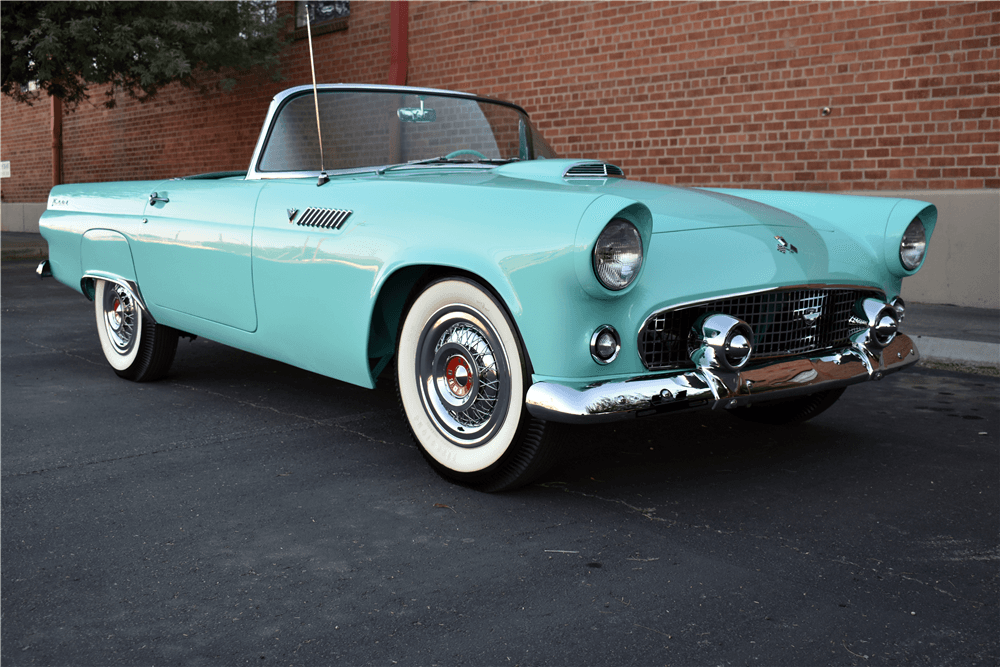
673	209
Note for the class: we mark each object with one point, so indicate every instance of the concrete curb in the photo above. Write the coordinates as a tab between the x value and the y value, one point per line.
952	351
22	253
23	245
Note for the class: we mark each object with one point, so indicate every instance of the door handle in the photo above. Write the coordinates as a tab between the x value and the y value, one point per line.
155	197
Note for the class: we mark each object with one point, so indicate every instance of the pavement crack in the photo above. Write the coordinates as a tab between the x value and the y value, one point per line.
336	422
252	404
644	511
177	445
58	351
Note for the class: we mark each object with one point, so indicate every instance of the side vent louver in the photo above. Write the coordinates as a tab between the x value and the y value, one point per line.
594	170
324	218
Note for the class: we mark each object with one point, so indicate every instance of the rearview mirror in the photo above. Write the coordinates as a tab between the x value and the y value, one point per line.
410	115
414	115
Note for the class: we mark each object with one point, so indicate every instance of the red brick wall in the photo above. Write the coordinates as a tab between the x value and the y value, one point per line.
184	131
26	141
730	94
723	94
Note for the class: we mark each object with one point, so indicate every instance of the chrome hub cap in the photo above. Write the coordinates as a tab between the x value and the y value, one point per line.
463	377
119	318
458	377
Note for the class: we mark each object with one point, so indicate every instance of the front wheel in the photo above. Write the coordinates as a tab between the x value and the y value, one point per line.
790	411
461	376
137	348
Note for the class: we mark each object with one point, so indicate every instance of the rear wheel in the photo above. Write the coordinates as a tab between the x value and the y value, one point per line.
137	348
461	376
790	411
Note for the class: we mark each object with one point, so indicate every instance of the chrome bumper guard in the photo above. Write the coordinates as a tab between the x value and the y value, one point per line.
643	396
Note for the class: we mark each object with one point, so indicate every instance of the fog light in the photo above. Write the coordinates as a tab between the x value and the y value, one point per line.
885	328
605	344
738	349
899	306
881	320
726	342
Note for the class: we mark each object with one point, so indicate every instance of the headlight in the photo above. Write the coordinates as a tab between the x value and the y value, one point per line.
618	254
913	246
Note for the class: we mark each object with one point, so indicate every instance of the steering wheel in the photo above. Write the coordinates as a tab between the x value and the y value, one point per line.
465	151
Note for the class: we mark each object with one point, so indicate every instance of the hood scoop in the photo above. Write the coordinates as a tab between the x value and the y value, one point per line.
594	170
584	172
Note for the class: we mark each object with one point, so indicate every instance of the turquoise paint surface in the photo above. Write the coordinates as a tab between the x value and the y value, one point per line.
193	253
106	253
222	259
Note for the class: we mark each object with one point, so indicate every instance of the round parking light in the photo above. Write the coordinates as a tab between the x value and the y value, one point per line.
605	344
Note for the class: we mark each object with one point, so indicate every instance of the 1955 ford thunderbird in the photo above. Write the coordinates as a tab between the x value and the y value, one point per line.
435	234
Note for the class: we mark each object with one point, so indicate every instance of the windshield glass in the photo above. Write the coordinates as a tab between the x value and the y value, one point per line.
378	128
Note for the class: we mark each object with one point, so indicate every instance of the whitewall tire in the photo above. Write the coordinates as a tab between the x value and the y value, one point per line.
461	377
136	347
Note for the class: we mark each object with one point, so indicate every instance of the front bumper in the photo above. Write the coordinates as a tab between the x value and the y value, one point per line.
714	388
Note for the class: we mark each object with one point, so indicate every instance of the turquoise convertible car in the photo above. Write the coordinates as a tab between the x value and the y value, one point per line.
435	236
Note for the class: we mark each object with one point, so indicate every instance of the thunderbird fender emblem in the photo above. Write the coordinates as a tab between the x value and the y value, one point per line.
784	246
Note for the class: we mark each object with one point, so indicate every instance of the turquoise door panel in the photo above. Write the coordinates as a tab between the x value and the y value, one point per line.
313	284
192	253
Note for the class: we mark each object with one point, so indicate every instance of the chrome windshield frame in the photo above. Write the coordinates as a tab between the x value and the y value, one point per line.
282	98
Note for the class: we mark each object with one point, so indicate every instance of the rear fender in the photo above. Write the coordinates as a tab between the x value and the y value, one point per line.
106	255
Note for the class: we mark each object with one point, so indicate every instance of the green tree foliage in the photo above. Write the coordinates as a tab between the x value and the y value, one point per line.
134	47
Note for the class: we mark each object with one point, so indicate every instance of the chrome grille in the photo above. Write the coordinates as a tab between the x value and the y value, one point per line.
324	218
784	323
593	170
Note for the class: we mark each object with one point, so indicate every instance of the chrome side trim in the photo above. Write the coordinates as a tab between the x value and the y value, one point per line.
643	396
44	269
87	284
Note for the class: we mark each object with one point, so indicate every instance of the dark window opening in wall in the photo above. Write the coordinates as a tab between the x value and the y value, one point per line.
324	16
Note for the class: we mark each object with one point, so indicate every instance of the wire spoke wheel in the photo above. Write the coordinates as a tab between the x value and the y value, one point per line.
136	347
120	318
461	377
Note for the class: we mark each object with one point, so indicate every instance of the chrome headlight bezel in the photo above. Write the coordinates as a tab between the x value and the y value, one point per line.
618	255
908	217
913	245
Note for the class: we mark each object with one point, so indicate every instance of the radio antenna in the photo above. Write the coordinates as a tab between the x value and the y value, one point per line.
323	178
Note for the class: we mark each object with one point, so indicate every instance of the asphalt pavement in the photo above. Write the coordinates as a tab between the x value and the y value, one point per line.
242	511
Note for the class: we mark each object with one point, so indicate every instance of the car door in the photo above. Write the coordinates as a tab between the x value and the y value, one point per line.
315	259
193	249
